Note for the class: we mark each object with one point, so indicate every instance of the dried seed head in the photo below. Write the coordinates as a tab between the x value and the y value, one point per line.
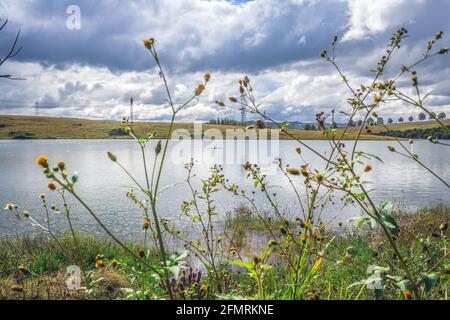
220	103
52	186
207	76
293	171
61	165
367	168
319	177
233	99
391	148
298	150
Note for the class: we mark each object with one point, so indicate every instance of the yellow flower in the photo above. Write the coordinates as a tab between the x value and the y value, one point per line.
149	42
200	89
26	213
146	224
99	261
23	269
42	161
407	294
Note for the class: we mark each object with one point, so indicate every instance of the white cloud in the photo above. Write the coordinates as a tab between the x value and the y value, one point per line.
369	17
94	72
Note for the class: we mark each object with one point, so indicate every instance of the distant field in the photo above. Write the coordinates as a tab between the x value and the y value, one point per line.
29	127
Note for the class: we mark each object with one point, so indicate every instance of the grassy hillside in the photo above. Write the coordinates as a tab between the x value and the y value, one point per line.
29	127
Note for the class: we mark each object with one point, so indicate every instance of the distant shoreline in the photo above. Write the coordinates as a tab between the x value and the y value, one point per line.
50	128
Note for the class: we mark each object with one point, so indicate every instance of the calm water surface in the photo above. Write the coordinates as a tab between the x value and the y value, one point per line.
104	185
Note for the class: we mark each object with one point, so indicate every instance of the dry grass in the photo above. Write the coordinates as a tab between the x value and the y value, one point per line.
72	128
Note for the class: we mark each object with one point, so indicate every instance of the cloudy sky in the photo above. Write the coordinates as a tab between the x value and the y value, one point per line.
92	72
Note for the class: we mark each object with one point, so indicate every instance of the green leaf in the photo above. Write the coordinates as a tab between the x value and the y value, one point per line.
429	280
284	125
390	223
405	285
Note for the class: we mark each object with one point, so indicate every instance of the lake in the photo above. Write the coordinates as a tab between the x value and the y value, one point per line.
104	185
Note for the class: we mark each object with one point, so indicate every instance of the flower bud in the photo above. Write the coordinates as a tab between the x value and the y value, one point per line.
200	89
158	148
149	43
61	165
112	157
207	76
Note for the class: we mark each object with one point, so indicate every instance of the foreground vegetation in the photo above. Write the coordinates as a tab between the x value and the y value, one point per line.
392	256
34	268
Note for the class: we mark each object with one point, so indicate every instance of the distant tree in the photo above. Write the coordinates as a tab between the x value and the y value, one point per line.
442	116
422	116
401	120
370	121
359	123
380	121
307	127
390	121
411	119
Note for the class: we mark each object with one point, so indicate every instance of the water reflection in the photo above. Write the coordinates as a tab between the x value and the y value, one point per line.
105	185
